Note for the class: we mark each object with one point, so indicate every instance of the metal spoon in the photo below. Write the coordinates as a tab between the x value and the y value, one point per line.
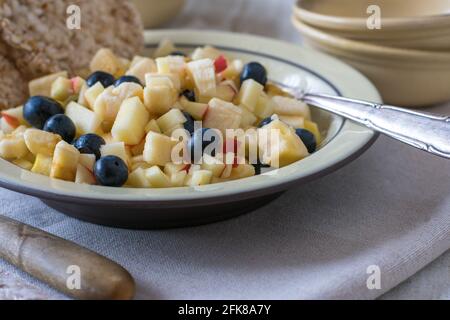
423	131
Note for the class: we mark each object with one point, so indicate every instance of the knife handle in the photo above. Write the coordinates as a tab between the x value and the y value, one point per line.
64	265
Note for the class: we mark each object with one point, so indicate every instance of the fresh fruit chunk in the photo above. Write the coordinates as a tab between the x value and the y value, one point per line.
172	168
165	47
160	94
296	122
158	149
104	78
140	67
248	118
308	139
14	116
61	125
84	176
92	93
207	52
233	72
111	171
215	165
37	110
77	84
200	178
280	145
220	64
172	65
196	110
42	165
189	125
291	107
84	119
157	178
117	149
90	144
22	163
13	146
314	129
61	89
43	86
204	76
65	162
242	171
177	179
6	127
130	123
137	179
125	79
265	107
171	119
222	115
249	94
152	126
11	121
106	61
255	71
87	161
41	142
203	141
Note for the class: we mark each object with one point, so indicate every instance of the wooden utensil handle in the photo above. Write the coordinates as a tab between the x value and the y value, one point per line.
66	266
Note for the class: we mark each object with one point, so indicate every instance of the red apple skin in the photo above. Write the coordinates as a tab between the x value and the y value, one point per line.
186	168
221	64
12	121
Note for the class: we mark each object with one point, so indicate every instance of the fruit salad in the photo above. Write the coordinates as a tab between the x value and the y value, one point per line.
173	120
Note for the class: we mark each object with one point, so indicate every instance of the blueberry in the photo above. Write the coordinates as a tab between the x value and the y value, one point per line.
308	139
189	94
189	124
62	125
178	53
37	110
127	79
90	144
200	140
104	78
265	122
255	71
111	171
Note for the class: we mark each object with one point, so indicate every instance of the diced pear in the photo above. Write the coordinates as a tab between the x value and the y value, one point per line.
200	178
222	115
130	123
65	162
214	165
178	179
137	179
171	119
296	122
84	176
41	142
158	149
84	119
157	178
117	149
140	66
92	94
249	94
42	165
265	107
87	161
291	107
22	163
196	110
61	89
314	129
204	75
159	99
105	60
43	86
152	126
280	145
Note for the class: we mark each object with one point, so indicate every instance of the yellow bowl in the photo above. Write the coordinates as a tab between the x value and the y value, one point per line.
156	12
404	77
414	24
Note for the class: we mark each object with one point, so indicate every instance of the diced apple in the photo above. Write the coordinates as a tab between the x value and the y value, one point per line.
233	71
242	171
117	149
22	163
280	145
130	123
8	126
314	129
172	65
87	161
296	122
249	94
163	80
138	179
61	89
42	165
41	142
82	96
170	120
140	66
196	110
77	84
65	162
248	118
171	168
204	76
84	119
14	116
265	107
105	60
225	91
291	107
222	115
92	94
274	90
178	179
220	64
43	86
214	165
158	149
12	146
165	47
206	52
159	99
200	178
157	178
84	176
152	126
138	149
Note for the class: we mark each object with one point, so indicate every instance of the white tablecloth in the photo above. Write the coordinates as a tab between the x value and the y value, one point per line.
390	209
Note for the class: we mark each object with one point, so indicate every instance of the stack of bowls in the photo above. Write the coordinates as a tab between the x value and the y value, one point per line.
408	58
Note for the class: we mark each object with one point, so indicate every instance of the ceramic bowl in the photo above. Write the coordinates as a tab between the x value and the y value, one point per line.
156	12
414	24
404	77
288	65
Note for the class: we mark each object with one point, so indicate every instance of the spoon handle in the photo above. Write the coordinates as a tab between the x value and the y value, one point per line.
424	131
